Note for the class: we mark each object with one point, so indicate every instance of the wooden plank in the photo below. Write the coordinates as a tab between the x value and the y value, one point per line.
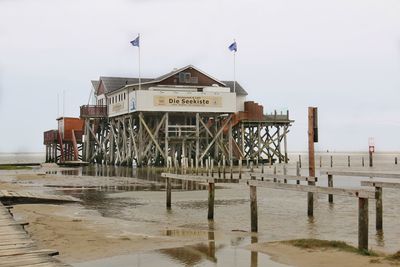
283	177
365	174
381	184
20	196
198	178
314	189
15	252
201	179
16	248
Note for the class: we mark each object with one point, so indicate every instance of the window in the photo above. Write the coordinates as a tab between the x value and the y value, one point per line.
187	77
182	77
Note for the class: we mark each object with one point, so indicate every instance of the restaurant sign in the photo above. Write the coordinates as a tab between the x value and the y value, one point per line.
189	101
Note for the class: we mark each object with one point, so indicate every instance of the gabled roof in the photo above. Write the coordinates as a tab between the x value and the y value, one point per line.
112	84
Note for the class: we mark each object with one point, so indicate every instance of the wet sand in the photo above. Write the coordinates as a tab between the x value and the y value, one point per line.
299	257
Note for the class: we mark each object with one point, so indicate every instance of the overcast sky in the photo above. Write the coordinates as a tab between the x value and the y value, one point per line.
342	56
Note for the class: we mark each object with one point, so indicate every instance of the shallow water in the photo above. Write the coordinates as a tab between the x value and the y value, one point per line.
282	215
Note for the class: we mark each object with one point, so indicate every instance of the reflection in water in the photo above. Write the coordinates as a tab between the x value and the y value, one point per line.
254	255
312	227
380	238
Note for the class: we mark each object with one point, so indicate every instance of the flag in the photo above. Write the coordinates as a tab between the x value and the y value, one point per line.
135	42
233	47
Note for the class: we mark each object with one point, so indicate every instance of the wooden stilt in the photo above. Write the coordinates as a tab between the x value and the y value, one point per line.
253	209
379	208
211	196
330	184
363	223
168	190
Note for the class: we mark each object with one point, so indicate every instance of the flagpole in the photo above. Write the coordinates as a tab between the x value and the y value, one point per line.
234	69
139	63
234	72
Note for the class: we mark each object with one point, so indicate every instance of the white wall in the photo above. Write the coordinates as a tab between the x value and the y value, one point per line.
240	103
118	107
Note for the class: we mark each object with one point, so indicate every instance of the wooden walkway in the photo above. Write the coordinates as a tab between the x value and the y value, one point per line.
16	247
9	197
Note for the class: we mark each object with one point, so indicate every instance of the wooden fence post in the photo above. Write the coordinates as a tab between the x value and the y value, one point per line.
362	223
253	209
240	168
371	161
168	189
211	196
298	171
379	208
312	138
330	184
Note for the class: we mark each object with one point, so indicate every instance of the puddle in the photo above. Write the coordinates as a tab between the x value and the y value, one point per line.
202	254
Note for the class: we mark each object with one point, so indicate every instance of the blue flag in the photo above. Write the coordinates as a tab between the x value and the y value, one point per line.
233	47
135	42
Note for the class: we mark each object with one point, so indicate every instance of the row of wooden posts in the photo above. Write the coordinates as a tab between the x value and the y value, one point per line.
275	181
371	162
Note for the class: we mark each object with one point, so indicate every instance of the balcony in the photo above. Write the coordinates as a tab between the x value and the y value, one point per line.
93	111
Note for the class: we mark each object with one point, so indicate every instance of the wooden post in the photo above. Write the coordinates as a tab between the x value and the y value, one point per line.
224	166
299	161
379	208
312	113
212	168
371	161
211	196
363	223
168	190
284	173
240	168
197	142
330	184
231	168
298	171
253	209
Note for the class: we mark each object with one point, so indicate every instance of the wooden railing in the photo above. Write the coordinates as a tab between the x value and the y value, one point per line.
93	111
